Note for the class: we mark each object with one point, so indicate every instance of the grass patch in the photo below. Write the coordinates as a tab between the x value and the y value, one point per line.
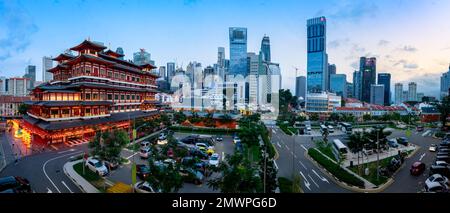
335	169
285	129
285	185
135	147
88	175
326	149
372	177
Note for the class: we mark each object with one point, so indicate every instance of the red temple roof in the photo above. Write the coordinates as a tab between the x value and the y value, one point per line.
113	54
91	58
148	66
88	45
63	56
58	67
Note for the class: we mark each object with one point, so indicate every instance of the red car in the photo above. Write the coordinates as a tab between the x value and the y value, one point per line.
417	168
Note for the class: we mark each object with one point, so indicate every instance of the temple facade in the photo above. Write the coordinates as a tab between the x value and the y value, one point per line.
94	90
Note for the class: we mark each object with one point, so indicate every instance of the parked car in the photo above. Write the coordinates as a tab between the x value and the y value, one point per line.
440	163
442	153
142	171
162	136
214	160
201	155
96	166
432	148
203	146
420	128
236	140
436	178
393	143
14	184
145	152
402	141
145	144
444	149
191	175
438	169
445	158
330	129
436	187
445	144
112	164
417	168
219	138
143	187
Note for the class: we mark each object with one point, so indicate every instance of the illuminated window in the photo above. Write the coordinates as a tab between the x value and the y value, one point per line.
94	96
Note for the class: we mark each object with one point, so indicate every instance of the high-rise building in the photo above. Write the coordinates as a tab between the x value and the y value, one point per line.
377	94
18	86
367	69
170	71
398	93
357	85
445	83
221	56
162	72
238	51
420	96
142	57
405	96
350	89
265	48
4	85
412	91
253	65
30	73
331	71
338	84
385	79
300	87
47	63
119	50
317	62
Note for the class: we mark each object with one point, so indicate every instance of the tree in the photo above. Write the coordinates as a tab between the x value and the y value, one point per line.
179	117
334	117
444	108
226	118
314	117
238	175
165	178
249	134
164	118
23	108
367	117
357	142
108	145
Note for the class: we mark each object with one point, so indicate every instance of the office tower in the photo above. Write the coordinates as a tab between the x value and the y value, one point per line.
357	85
377	94
170	71
338	84
420	96
18	86
238	51
398	93
269	82
350	90
47	63
4	85
367	69
265	48
445	84
317	64
253	65
385	79
331	71
142	57
30	73
300	87
412	91
162	72
405	96
119	50
221	57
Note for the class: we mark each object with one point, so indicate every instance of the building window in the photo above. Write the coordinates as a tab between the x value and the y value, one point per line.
87	96
116	108
87	70
133	78
116	97
132	97
109	74
122	107
122	77
102	72
128	97
94	96
122	97
88	111
109	96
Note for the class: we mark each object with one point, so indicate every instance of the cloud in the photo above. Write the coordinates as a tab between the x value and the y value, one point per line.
383	43
353	10
406	65
18	27
410	66
338	42
408	48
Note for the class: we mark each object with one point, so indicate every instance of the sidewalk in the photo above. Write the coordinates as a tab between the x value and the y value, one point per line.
2	155
83	184
373	157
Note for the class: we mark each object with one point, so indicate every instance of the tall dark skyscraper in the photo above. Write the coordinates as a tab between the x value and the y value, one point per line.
30	72
120	51
317	62
357	85
265	48
238	51
300	87
367	69
385	79
331	71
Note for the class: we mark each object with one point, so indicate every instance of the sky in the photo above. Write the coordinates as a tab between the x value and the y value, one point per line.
409	38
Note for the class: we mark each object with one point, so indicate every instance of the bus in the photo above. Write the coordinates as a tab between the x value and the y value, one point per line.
323	128
340	148
346	127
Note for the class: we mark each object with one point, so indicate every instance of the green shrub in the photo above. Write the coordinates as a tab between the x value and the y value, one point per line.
285	185
285	129
335	169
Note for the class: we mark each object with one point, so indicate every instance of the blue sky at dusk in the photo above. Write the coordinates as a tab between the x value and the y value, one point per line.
410	38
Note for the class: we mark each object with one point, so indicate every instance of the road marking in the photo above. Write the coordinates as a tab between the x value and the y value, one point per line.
132	155
66	186
273	130
70	150
287	147
307	184
278	144
223	156
49	191
426	133
45	164
320	177
304	147
54	147
423	155
302	165
314	181
275	164
295	156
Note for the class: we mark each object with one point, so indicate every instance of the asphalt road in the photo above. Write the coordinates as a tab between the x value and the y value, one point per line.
292	160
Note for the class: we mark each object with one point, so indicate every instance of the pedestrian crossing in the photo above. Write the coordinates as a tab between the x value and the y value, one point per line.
76	142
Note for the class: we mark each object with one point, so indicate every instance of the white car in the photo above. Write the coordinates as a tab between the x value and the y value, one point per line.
435	187
330	129
236	140
145	144
441	163
162	136
96	166
143	187
432	148
162	142
437	178
214	160
144	152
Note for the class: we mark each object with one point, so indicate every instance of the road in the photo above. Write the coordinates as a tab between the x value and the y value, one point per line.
292	160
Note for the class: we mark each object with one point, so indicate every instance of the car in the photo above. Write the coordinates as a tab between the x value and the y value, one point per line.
393	143
145	152
442	153
191	175
420	128
440	163
162	142
214	160
438	169
402	141
96	166
199	154
437	178
203	146
191	139
445	158
417	168
219	138
162	136
445	144
112	164
436	187
444	149
14	184
145	144
308	130
143	187
330	129
142	171
432	148
236	140
169	161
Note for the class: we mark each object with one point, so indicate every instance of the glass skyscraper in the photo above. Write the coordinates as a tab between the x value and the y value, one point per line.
385	79
265	48
367	69
317	65
338	84
238	51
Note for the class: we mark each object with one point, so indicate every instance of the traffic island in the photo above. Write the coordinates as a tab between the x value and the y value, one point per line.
72	170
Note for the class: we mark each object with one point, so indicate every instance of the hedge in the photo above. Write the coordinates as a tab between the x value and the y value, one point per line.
285	129
265	137
285	185
335	169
